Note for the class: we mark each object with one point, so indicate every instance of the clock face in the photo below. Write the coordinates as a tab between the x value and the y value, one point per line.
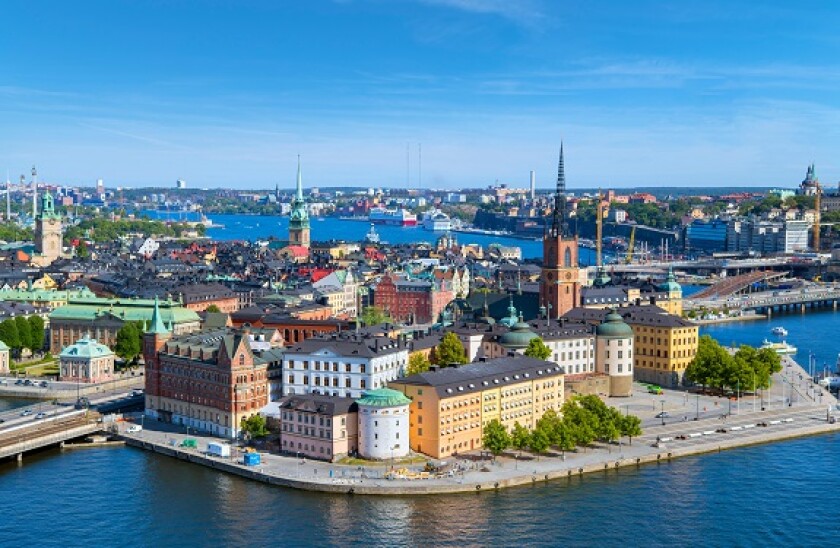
568	275
550	276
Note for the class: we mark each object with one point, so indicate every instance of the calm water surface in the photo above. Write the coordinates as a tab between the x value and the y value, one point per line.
773	495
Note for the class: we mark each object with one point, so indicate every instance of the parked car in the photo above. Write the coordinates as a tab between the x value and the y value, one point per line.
134	428
44	384
663	415
19	382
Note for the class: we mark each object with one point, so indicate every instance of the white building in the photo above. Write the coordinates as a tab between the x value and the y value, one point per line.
383	424
341	289
4	359
341	365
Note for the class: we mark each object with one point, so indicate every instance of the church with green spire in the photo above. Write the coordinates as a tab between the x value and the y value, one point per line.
48	233
299	218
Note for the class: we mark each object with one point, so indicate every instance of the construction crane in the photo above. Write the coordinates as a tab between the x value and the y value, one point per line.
817	204
631	245
599	228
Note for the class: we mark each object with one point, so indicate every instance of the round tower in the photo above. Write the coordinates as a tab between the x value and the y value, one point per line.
383	424
614	353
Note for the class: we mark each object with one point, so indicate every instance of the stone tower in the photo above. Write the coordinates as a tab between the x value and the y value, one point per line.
560	282
299	218
153	341
47	232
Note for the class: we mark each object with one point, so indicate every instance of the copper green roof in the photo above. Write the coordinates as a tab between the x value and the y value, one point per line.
125	309
43	295
519	336
86	348
670	284
157	321
383	397
614	327
3	346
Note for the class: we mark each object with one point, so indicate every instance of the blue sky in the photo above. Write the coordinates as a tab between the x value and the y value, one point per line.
226	93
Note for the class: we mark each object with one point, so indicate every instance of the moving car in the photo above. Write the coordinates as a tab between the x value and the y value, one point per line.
134	428
41	415
25	412
663	415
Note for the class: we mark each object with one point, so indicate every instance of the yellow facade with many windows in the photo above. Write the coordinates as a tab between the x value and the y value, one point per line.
451	406
665	346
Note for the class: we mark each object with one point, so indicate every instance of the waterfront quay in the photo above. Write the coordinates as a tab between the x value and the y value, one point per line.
695	424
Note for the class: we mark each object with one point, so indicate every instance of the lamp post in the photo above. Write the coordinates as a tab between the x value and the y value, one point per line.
662	414
697	416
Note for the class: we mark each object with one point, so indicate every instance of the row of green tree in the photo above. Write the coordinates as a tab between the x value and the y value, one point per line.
20	332
582	420
106	230
747	370
11	232
129	341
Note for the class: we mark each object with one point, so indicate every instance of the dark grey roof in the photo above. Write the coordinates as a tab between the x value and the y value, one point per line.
474	377
349	345
317	403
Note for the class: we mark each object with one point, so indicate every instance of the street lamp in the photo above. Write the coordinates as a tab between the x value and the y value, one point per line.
697	416
662	414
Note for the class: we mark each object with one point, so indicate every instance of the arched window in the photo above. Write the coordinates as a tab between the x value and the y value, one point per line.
242	359
567	257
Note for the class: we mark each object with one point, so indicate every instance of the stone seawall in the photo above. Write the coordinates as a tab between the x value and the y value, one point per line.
561	469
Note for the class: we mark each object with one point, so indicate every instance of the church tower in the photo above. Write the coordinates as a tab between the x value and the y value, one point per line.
47	231
299	218
560	282
153	341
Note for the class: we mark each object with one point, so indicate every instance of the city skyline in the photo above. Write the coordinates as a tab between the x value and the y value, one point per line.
226	95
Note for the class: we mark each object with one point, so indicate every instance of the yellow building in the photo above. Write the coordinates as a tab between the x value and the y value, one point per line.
450	406
664	343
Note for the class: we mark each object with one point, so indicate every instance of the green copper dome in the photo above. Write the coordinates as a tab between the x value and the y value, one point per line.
670	284
613	327
383	397
519	336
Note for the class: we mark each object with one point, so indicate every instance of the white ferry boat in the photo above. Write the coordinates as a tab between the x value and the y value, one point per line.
437	221
780	331
398	217
780	347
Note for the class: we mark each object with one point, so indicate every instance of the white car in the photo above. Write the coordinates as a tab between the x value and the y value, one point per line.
133	429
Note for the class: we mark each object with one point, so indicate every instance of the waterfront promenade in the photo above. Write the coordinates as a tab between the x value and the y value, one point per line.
794	408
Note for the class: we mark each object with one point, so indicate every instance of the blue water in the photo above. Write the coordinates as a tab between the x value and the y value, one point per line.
772	495
251	227
813	333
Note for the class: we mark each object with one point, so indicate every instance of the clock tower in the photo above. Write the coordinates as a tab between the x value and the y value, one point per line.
47	232
560	281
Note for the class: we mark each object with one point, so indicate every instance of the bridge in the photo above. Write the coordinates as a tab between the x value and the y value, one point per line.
55	431
737	284
768	302
721	267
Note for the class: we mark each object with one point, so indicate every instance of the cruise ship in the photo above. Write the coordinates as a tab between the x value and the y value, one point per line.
437	221
398	217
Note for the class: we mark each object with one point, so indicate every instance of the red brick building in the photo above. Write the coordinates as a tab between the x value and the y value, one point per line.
412	301
209	381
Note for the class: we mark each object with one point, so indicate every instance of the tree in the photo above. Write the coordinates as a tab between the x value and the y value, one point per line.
212	308
374	315
537	349
417	363
520	437
496	438
710	364
255	426
450	350
36	331
630	426
127	344
82	250
24	332
538	441
9	333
